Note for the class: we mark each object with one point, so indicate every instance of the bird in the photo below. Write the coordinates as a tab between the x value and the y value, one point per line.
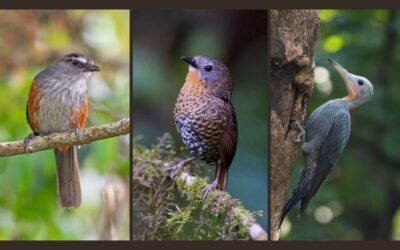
58	102
205	117
326	133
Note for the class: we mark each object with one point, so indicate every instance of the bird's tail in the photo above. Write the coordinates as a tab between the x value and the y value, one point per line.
68	183
298	193
222	177
296	197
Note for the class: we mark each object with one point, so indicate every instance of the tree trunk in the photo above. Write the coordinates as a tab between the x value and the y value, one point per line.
294	36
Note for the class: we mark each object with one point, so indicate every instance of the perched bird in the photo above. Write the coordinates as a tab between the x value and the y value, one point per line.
326	134
58	102
205	118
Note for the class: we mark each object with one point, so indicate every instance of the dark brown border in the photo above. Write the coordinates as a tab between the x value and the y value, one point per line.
131	121
204	4
174	4
269	122
203	245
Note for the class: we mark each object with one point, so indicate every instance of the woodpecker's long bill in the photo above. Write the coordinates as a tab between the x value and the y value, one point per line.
326	134
360	90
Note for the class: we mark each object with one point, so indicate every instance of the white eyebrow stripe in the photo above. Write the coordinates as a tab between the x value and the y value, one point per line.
82	59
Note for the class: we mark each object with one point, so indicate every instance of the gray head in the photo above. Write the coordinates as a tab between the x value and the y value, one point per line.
76	63
74	66
213	73
360	90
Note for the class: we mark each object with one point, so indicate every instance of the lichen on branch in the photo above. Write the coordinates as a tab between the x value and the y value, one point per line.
166	209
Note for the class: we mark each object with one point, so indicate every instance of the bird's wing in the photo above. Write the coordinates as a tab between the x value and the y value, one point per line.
228	141
227	149
32	106
331	149
314	121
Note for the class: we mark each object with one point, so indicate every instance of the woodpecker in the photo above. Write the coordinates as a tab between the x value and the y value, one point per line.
326	134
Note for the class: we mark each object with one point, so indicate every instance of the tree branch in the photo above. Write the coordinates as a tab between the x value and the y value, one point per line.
168	209
223	199
85	136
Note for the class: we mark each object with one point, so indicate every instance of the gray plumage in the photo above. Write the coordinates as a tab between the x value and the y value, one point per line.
327	132
58	102
63	88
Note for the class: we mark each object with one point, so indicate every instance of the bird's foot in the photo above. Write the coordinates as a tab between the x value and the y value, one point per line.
209	188
27	140
178	167
77	132
295	124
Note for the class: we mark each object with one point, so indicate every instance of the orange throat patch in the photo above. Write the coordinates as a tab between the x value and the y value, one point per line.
352	93
193	83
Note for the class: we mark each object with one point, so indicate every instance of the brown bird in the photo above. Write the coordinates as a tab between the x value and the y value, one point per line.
205	118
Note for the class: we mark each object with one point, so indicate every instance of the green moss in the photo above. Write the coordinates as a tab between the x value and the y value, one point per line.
174	210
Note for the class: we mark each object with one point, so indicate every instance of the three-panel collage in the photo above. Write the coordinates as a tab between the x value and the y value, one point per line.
199	125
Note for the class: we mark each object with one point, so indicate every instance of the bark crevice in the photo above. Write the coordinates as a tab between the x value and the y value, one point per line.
294	37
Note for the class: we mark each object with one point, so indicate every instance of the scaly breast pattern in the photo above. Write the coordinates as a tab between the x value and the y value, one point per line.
200	119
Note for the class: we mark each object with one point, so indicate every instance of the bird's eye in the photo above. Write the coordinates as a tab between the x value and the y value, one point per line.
75	62
360	82
208	68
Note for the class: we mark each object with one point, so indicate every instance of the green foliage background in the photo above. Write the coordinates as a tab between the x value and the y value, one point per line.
361	199
29	41
238	38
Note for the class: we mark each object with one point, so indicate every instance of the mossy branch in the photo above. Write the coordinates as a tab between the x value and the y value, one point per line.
218	203
85	136
167	209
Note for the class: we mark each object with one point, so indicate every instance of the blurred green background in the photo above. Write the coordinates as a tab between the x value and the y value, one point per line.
237	38
29	41
361	198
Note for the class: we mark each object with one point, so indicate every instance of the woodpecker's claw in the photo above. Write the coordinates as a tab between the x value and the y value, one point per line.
295	124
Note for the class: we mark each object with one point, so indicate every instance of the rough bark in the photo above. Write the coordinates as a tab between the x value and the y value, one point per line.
293	40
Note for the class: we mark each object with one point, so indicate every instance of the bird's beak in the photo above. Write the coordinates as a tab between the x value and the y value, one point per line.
92	67
190	61
347	78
